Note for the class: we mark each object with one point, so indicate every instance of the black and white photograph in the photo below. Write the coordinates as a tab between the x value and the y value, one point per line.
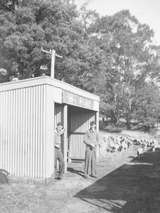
79	106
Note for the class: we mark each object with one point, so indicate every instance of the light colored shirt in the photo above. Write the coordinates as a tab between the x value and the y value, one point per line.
91	138
57	138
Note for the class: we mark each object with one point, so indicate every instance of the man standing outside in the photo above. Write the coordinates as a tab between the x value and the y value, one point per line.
91	140
59	131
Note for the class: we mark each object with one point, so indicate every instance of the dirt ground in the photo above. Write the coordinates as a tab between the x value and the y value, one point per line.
125	184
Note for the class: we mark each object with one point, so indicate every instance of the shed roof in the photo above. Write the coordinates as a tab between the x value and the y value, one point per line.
48	81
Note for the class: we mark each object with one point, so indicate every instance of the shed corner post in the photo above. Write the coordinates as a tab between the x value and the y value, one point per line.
97	121
97	128
65	140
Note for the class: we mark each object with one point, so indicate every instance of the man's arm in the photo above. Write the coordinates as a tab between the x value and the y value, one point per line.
61	132
98	139
85	139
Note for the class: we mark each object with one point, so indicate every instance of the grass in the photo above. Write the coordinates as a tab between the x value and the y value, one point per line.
131	188
39	198
21	198
58	196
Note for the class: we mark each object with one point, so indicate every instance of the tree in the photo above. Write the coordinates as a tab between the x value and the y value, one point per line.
8	5
111	56
34	25
147	105
129	54
48	24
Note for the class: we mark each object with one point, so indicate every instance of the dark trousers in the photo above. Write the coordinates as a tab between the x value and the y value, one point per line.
90	161
59	157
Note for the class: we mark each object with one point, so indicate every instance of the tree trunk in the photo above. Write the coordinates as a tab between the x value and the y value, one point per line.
113	118
128	125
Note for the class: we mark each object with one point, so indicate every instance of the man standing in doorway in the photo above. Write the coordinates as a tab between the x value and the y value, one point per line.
59	131
91	141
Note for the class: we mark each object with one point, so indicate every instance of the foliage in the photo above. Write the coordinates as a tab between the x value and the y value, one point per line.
130	57
36	25
147	105
112	56
8	5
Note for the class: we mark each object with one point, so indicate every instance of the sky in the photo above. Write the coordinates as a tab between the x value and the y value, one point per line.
146	11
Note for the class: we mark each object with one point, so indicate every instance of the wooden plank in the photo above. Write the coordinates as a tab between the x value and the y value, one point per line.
65	138
97	128
77	100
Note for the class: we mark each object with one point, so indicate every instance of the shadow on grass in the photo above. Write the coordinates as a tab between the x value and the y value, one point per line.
75	171
132	188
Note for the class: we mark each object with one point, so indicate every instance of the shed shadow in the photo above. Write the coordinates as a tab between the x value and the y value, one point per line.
132	188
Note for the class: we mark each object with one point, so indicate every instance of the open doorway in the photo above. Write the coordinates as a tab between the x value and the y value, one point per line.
78	124
78	120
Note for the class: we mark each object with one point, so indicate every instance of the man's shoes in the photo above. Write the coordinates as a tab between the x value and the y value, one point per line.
58	177
86	176
94	176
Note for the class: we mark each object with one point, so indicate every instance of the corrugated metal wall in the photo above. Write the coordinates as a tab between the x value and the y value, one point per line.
22	148
79	124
